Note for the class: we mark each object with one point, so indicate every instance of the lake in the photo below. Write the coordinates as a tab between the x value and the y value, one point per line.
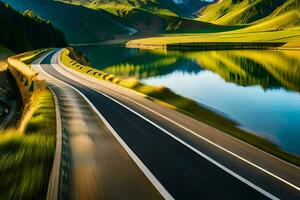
257	89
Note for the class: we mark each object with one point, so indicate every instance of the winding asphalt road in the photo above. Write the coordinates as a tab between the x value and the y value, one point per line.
188	159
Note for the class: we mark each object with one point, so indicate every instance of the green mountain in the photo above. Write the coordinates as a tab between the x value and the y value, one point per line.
85	21
229	12
91	21
117	6
167	7
79	24
27	31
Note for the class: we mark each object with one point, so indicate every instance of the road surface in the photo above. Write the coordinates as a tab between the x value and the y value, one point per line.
181	157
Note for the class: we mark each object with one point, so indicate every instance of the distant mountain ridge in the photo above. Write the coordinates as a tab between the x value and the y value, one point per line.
181	8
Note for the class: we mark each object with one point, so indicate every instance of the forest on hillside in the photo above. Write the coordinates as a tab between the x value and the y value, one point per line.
27	31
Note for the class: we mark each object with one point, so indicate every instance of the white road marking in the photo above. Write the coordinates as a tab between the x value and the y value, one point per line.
135	158
262	191
187	129
196	150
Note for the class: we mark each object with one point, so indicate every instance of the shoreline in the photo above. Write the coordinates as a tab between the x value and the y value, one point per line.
200	46
216	46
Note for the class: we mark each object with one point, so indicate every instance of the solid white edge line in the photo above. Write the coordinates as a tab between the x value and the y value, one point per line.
196	150
165	194
53	185
195	134
262	191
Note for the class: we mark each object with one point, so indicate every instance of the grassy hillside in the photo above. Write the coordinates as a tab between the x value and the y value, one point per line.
256	21
146	22
22	32
288	8
287	20
239	11
90	21
119	7
80	25
146	16
166	7
237	36
228	12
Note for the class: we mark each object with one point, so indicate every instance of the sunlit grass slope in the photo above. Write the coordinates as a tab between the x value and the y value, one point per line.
26	154
166	97
146	17
165	7
124	7
264	14
287	20
255	21
247	35
218	12
245	11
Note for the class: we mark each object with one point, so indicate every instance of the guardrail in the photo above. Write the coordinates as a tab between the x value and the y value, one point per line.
25	76
28	83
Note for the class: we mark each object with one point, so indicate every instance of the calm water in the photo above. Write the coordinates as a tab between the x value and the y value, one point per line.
257	89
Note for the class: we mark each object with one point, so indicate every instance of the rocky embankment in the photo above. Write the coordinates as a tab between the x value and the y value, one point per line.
8	96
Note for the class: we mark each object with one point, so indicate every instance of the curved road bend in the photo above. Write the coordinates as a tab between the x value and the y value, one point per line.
93	164
197	162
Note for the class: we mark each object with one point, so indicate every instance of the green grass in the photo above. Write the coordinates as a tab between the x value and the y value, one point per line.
124	8
240	35
27	151
229	12
258	21
26	154
287	20
166	97
85	25
216	29
33	56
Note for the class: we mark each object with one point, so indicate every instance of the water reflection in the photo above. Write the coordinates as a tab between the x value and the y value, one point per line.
258	89
268	69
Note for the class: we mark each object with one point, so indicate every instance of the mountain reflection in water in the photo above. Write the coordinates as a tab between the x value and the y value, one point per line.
257	89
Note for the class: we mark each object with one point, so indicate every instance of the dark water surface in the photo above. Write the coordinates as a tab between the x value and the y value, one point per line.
257	89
